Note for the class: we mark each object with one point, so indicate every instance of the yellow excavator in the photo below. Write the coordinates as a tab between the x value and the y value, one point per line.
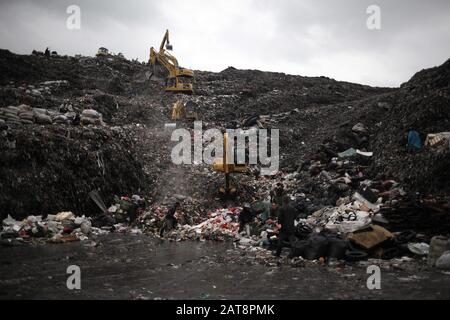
227	166
185	111
179	79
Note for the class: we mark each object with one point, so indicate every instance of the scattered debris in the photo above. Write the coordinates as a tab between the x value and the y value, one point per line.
60	228
438	139
444	261
438	246
421	249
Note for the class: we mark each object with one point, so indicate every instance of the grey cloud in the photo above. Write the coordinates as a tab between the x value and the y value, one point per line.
307	37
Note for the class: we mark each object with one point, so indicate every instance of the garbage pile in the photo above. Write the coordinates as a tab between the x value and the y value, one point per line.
420	105
24	114
351	232
422	213
340	207
219	225
335	170
124	210
90	116
263	92
60	228
67	227
46	169
350	216
32	94
341	211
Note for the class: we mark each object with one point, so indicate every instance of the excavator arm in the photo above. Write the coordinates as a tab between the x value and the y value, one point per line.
227	166
162	58
170	63
165	40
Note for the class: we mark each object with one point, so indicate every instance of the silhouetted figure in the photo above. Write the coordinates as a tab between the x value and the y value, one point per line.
47	53
276	198
170	222
245	217
286	217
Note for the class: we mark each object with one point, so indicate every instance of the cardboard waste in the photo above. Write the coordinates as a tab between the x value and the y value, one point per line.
370	237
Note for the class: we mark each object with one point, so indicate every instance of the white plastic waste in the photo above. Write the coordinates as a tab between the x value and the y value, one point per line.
444	261
421	249
65	216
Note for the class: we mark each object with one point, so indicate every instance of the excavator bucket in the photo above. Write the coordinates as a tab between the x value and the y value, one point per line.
169	47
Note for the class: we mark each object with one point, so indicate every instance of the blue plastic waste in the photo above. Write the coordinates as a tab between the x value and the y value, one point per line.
414	141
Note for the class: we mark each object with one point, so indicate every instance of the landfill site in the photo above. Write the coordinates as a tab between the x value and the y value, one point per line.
88	183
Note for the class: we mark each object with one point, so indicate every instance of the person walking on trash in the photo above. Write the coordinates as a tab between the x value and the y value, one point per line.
286	218
276	198
246	216
47	53
170	221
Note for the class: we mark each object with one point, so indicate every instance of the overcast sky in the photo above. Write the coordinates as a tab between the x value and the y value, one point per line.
305	37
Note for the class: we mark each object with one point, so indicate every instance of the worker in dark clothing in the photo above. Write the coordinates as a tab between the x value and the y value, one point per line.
245	217
286	219
276	198
47	53
170	222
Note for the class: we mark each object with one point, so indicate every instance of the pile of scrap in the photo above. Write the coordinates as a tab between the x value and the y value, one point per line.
26	115
60	228
438	140
429	214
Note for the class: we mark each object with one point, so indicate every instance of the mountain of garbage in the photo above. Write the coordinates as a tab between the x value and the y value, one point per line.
71	125
421	104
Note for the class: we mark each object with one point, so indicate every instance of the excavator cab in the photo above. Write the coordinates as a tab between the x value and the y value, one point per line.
178	85
192	111
185	111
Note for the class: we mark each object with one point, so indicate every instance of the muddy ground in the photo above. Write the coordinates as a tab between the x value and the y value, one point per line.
140	267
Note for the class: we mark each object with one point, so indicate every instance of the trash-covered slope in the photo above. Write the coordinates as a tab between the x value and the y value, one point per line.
422	104
310	113
47	169
81	72
51	157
